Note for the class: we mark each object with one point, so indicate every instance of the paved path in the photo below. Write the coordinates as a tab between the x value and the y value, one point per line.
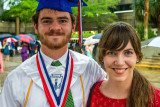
8	67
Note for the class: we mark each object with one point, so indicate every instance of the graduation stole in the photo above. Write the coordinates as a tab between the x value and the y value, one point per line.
53	99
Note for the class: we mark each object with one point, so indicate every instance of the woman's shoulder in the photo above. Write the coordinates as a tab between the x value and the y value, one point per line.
95	87
156	100
157	92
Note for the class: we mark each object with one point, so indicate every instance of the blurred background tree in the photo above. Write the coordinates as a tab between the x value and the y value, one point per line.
154	16
26	8
23	9
99	11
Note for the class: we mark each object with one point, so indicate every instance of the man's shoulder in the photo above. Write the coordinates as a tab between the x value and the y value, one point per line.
24	68
78	57
84	63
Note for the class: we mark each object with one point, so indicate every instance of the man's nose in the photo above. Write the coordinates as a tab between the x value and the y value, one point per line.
55	26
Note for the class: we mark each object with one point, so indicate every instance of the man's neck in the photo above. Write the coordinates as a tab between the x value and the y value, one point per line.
54	53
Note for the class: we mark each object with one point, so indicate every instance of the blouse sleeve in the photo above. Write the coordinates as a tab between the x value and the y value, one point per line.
156	101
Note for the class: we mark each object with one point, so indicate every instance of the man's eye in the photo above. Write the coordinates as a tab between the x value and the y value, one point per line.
46	21
62	21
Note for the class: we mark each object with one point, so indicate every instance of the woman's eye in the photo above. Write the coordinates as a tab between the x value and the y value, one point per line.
111	53
128	52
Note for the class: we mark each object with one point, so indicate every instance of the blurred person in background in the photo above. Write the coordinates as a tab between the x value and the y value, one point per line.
16	47
24	51
13	48
95	52
82	49
89	50
29	51
1	47
6	52
32	49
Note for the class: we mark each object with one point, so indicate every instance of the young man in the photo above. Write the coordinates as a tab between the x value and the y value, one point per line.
39	81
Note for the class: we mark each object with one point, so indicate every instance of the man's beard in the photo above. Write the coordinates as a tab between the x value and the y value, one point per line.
52	45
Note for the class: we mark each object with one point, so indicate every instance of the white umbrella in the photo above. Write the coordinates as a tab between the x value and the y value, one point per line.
90	41
10	40
155	42
97	36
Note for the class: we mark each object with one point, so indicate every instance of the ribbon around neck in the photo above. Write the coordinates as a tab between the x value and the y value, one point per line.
48	86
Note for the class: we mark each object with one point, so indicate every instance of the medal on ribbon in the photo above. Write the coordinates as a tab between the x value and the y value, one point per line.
51	96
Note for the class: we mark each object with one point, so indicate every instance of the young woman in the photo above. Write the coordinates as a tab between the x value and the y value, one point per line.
119	51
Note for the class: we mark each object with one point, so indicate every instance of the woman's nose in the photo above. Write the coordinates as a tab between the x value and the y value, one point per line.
120	60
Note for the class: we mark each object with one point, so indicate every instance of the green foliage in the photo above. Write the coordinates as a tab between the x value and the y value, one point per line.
154	6
20	8
86	34
154	13
26	8
97	8
139	10
140	30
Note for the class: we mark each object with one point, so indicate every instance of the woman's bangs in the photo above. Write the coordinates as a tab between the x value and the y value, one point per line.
117	40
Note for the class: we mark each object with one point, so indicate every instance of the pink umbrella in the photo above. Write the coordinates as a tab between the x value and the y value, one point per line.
10	40
25	38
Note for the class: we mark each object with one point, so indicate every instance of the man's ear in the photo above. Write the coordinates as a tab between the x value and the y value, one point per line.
35	27
73	27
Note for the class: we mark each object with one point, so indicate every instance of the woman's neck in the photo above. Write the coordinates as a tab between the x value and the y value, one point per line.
115	90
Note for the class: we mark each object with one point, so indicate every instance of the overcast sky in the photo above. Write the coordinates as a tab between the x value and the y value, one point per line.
5	7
